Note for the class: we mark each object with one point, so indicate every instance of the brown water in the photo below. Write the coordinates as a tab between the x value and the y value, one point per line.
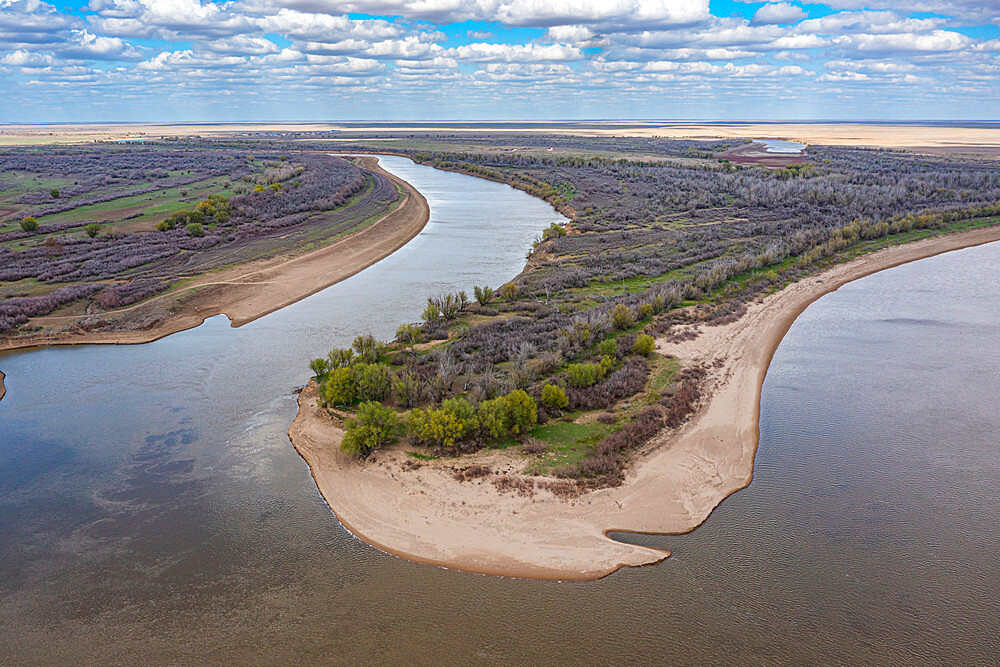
151	506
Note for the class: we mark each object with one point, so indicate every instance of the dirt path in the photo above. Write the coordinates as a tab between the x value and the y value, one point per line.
238	293
426	515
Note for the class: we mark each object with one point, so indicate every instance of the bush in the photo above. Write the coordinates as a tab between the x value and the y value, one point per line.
483	294
373	381
622	316
584	375
319	367
509	292
54	193
92	229
494	419
28	224
408	334
608	347
435	427
554	397
163	226
643	345
464	412
340	387
340	357
522	411
369	348
194	229
372	427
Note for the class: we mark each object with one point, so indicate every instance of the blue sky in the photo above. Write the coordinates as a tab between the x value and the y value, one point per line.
147	60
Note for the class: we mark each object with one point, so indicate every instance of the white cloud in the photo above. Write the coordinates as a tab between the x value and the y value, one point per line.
778	13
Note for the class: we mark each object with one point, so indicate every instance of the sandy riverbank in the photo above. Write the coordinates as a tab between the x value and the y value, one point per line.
426	515
252	290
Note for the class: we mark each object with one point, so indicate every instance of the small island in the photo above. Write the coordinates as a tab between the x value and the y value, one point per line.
613	385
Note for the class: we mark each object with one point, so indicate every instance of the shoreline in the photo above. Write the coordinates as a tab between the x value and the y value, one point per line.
423	514
237	292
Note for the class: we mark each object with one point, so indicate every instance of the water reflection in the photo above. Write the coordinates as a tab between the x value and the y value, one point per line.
151	505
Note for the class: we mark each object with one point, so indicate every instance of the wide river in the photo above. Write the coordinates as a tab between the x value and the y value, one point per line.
151	506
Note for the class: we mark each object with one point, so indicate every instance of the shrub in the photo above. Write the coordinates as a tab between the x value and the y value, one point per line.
408	334
163	226
92	229
320	367
522	411
406	388
483	294
431	312
584	375
509	292
554	397
372	427
494	418
54	193
340	357
435	427
340	387
608	347
622	316
28	224
194	229
464	412
373	381
369	348
643	345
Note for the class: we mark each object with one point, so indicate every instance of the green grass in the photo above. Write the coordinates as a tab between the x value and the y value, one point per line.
569	443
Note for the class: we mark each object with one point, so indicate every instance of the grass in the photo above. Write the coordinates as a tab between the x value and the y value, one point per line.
569	442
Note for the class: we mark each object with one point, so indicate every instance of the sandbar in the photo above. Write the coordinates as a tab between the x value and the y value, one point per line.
424	514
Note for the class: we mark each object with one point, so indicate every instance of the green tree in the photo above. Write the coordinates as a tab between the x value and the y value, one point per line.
373	381
522	411
464	412
369	348
92	229
431	313
372	427
406	387
643	345
483	294
28	224
553	397
340	387
435	427
195	229
494	418
408	334
584	375
320	367
340	357
509	292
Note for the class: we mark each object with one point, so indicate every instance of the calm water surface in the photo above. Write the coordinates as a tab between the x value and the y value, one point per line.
151	505
780	146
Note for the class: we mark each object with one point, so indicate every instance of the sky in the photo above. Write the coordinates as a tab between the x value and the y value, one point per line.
242	60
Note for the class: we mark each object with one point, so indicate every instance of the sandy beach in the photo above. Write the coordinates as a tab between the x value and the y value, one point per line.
425	514
252	290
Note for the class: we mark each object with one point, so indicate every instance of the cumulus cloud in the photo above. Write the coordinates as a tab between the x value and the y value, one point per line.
778	13
597	49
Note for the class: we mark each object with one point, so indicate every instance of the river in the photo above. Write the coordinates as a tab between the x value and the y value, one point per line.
151	506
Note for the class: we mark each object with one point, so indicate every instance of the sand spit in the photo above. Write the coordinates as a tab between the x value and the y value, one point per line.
424	514
252	290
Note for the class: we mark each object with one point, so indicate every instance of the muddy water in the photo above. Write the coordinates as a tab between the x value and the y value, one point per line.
152	507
